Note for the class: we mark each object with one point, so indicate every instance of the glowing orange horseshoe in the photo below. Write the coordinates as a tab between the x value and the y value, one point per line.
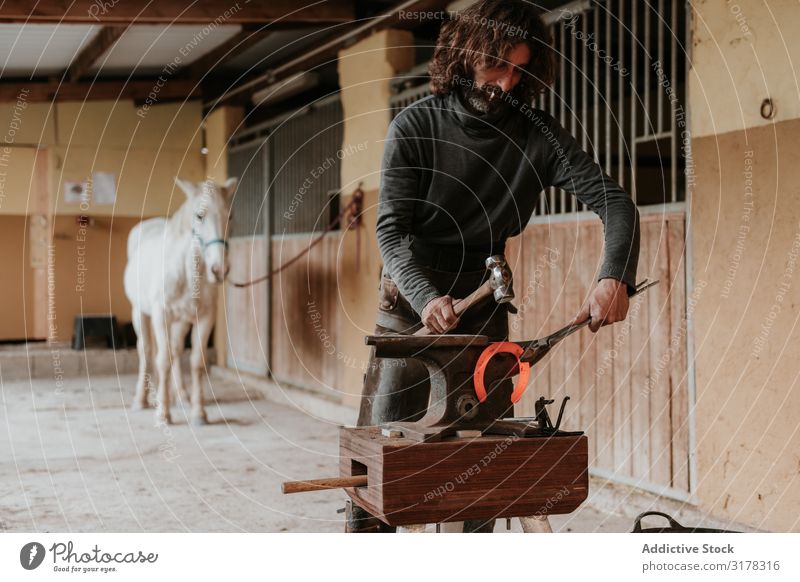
488	354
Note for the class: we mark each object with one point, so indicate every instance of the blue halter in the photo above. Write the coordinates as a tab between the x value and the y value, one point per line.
205	244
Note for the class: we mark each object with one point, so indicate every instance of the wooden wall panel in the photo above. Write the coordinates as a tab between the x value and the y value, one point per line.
305	307
627	383
246	308
588	269
658	303
639	322
679	389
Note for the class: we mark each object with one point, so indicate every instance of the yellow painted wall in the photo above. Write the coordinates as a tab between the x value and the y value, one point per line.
16	306
743	51
75	140
27	123
745	229
144	153
220	125
17	188
104	136
746	250
365	70
88	263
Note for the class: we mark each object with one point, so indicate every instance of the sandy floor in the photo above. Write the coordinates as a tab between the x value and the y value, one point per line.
79	460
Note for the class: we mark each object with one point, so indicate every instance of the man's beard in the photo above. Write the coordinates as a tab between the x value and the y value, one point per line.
489	99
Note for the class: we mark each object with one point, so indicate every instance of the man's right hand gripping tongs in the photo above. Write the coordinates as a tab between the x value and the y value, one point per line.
537	349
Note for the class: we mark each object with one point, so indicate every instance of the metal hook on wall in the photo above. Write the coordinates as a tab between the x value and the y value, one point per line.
767	108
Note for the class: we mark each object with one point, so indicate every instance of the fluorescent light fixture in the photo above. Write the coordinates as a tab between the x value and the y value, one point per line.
287	87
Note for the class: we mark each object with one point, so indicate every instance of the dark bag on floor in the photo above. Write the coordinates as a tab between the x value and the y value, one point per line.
674	526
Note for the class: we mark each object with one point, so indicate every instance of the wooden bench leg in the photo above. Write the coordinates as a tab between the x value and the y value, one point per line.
535	524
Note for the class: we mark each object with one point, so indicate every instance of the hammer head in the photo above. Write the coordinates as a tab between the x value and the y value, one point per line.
500	278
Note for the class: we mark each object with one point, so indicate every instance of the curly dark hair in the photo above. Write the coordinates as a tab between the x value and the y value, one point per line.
482	35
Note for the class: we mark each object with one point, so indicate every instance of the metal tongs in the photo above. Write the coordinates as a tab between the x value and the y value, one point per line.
536	349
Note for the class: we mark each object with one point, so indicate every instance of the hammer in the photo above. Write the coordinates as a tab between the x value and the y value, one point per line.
498	284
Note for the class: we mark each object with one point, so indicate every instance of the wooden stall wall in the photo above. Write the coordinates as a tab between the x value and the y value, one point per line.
627	383
246	307
305	308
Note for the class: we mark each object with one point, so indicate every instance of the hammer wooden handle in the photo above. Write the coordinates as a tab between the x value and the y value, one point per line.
322	484
461	305
476	296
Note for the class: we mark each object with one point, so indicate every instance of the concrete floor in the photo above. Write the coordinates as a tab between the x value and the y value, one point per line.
77	459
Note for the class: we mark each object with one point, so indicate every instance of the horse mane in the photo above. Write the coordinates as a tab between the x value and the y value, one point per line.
182	219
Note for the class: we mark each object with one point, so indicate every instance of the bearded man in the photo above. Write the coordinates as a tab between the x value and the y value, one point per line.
462	171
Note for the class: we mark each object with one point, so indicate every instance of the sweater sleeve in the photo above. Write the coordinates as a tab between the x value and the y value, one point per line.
573	170
399	191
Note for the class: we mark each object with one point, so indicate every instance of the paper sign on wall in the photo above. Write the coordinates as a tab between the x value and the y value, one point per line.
104	188
76	192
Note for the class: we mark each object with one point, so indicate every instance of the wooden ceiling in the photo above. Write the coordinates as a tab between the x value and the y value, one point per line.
250	26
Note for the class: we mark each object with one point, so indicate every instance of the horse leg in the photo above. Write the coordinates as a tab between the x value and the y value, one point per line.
201	331
144	341
177	333
161	333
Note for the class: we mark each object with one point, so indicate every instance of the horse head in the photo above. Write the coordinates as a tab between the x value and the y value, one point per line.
208	210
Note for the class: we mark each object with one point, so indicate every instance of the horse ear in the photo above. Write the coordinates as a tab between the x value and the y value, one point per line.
187	187
230	186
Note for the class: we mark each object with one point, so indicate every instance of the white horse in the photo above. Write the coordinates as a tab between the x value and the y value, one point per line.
174	268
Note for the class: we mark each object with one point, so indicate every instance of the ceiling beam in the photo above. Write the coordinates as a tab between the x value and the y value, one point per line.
176	11
141	91
328	51
229	49
84	60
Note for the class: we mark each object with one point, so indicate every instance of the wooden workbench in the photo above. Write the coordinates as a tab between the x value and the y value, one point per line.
410	482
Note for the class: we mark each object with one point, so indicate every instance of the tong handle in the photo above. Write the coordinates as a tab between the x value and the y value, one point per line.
555	337
643	286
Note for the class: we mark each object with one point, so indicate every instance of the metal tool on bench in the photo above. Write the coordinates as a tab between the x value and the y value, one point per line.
455	405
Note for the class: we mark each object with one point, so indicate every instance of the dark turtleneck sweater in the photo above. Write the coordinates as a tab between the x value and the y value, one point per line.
455	179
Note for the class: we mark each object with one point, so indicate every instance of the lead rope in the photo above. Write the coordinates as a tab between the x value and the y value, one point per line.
352	211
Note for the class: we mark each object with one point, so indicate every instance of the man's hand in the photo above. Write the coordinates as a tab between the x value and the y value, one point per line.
608	303
438	315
